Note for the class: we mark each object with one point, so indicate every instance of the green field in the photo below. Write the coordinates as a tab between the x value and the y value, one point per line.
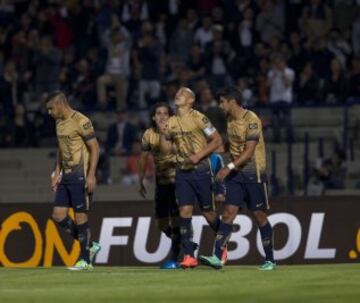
320	283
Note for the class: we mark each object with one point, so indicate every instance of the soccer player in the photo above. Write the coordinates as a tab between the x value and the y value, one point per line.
166	209
245	177
73	179
193	138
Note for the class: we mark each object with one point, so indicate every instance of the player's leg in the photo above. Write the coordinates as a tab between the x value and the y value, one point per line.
185	198
233	200
60	216
80	200
60	211
167	217
203	185
82	224
258	204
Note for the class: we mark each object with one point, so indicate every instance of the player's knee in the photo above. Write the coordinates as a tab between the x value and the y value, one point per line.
185	212
228	216
209	216
81	218
260	217
58	216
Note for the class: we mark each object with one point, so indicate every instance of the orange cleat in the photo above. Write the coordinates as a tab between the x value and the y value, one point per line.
224	256
188	262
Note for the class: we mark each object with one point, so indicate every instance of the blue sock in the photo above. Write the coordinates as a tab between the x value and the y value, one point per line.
215	224
68	225
267	239
186	233
222	238
84	239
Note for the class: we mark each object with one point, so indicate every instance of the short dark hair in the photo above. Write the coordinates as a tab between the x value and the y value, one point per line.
55	94
228	93
154	109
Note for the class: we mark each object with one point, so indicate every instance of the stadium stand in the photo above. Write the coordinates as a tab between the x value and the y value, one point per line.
148	49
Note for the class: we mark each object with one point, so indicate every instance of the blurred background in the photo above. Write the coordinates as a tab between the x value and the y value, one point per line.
297	64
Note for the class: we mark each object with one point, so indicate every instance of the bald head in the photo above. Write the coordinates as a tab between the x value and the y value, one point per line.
188	92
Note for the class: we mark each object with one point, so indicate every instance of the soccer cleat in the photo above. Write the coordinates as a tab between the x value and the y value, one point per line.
81	265
93	251
268	265
224	256
212	261
188	262
170	264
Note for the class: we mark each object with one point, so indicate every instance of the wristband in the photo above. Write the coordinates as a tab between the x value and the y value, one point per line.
231	166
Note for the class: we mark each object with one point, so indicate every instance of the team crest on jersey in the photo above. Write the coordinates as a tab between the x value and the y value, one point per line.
205	120
87	125
253	126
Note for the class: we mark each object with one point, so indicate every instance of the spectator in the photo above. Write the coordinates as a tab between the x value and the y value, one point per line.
209	107
8	88
354	81
196	62
308	86
335	84
244	35
339	47
271	20
83	84
121	135
117	68
246	92
332	172
22	129
316	20
149	58
280	81
181	41
47	62
130	173
356	36
204	34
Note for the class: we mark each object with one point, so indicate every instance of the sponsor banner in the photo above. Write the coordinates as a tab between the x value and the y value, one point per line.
306	230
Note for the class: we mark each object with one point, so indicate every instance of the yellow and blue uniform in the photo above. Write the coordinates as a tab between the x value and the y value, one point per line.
165	201
246	185
72	134
193	182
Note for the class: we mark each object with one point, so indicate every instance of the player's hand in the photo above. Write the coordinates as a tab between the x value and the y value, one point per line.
163	127
193	159
142	189
55	180
222	174
90	184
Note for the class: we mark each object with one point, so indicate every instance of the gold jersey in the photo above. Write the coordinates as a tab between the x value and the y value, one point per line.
189	133
164	163
239	131
72	133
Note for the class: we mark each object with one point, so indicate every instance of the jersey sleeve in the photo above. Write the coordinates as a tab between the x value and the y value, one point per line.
253	129
86	129
204	124
145	142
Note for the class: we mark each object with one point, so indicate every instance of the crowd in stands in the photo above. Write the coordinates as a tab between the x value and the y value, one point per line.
129	54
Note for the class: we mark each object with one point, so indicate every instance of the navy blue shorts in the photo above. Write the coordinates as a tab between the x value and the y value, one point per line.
254	196
217	163
193	186
165	201
71	192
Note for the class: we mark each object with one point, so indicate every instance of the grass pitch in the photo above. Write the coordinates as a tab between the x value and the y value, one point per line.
309	283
